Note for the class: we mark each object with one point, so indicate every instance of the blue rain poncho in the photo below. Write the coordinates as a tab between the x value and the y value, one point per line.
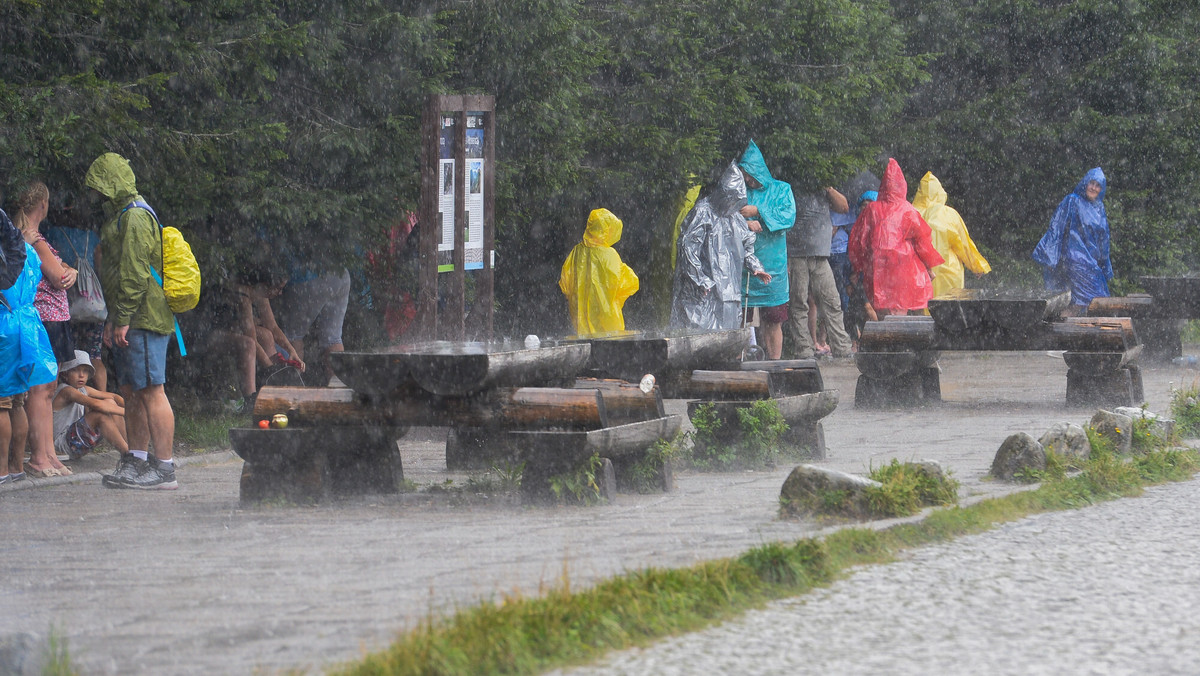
776	212
714	246
1074	252
26	358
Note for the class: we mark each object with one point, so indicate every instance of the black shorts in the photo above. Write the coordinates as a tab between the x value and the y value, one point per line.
61	340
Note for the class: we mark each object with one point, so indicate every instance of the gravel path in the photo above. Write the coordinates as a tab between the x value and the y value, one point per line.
1111	589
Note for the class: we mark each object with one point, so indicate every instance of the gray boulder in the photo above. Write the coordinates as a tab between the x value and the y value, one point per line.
1018	452
1115	427
1160	426
931	468
1066	439
809	489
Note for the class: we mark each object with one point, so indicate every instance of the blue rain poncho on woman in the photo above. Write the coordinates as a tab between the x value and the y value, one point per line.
1074	252
26	358
715	245
594	280
777	212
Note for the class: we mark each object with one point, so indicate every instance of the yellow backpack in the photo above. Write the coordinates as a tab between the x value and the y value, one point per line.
181	274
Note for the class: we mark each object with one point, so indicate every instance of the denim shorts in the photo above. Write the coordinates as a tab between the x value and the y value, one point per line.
144	362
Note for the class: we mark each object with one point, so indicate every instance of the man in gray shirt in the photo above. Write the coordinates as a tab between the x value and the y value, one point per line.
809	272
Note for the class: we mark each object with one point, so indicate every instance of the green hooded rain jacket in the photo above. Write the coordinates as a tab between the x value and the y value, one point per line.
129	249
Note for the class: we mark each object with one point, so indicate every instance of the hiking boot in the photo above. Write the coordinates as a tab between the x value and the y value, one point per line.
153	476
127	470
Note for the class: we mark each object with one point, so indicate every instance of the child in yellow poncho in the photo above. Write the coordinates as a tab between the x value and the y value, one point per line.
594	280
949	236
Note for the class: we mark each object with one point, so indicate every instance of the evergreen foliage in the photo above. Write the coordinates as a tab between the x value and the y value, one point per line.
297	122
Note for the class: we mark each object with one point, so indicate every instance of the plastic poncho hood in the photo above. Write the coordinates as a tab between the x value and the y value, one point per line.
594	280
777	213
603	228
1074	252
949	235
714	246
891	246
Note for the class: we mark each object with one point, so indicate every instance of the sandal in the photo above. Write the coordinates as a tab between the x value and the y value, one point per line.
35	473
63	471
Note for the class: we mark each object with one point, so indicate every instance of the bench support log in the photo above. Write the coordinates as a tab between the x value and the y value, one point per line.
1114	388
310	465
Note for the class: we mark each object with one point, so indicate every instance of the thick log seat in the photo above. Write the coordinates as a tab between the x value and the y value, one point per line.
1158	322
629	357
742	384
500	408
458	369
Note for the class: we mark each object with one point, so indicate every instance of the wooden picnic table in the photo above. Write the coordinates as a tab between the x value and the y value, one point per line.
897	359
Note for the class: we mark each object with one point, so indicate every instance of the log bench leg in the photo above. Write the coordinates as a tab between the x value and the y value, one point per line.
536	484
902	390
626	472
1161	338
299	478
1135	379
931	384
1114	388
809	436
310	465
362	460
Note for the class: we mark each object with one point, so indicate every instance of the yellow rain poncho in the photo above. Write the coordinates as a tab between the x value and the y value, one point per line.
949	236
594	280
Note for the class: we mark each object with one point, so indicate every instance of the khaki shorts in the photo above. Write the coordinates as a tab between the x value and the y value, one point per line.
13	401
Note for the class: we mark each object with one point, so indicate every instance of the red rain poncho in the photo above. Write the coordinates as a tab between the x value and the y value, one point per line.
890	247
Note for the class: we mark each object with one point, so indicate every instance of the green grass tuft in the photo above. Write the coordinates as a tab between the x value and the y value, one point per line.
1185	409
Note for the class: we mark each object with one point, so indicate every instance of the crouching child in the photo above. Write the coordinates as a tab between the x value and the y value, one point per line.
84	415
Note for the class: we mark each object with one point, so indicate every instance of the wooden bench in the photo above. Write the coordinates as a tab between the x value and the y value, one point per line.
1159	315
341	442
898	356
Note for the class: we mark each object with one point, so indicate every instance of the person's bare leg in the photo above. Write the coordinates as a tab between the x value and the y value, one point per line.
160	419
100	377
137	430
39	407
106	425
247	364
5	439
20	434
772	339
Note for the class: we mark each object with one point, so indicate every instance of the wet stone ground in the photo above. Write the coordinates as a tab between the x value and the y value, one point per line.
191	582
1112	589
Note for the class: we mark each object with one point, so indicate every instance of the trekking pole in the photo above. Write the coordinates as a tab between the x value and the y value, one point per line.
745	306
